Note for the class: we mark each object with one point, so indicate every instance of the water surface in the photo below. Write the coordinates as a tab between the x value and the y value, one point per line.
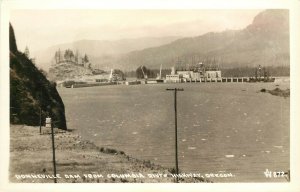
222	127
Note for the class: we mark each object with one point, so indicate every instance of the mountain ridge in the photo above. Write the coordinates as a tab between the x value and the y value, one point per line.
101	48
265	41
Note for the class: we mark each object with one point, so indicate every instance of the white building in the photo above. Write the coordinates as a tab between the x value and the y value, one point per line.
196	74
173	78
212	74
185	74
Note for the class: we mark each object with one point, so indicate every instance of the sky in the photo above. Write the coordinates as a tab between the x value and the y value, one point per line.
40	29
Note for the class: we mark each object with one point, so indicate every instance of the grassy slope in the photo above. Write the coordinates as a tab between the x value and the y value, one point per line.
31	153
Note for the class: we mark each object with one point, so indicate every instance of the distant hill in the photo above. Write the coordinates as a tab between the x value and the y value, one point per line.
265	42
30	91
101	49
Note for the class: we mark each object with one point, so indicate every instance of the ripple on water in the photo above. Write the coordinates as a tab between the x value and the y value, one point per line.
229	156
266	152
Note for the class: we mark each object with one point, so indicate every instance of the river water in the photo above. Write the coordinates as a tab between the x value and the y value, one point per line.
222	127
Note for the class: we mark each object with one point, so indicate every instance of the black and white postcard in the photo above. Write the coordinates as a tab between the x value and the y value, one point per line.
184	94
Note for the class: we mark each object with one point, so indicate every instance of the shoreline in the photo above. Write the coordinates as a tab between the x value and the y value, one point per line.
77	161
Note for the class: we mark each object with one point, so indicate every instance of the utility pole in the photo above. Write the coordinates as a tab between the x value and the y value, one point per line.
40	120
53	152
176	143
40	103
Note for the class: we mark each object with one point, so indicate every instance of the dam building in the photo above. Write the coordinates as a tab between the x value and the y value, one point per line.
200	73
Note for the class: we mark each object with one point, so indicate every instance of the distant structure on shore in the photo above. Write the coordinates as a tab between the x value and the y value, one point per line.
195	73
105	78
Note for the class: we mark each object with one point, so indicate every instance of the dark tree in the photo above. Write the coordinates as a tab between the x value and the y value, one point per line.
76	56
56	57
69	55
85	59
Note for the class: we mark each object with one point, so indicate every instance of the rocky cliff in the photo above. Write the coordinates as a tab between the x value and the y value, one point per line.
30	91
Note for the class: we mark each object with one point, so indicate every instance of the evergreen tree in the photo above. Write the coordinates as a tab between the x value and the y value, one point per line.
56	57
85	58
69	55
59	56
76	57
26	52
